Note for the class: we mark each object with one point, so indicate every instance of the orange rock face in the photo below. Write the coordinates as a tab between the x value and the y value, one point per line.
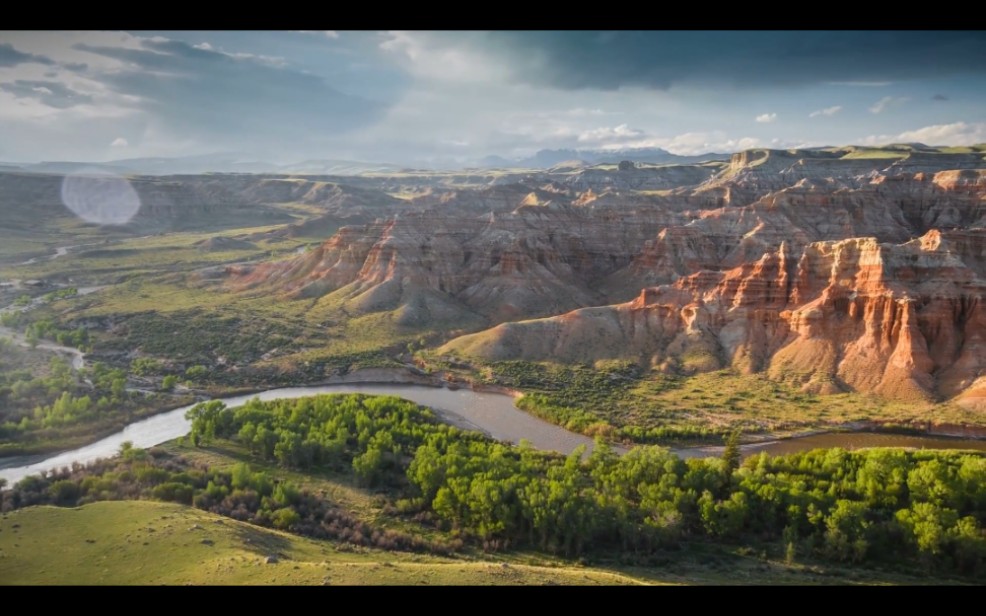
902	320
835	274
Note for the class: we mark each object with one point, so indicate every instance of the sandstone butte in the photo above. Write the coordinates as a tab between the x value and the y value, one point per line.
838	274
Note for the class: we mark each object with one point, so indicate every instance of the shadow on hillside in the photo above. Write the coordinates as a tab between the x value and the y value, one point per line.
261	541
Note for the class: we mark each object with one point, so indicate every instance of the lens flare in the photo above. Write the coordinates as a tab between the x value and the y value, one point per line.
100	197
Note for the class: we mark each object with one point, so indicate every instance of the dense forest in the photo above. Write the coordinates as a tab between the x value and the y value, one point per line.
881	506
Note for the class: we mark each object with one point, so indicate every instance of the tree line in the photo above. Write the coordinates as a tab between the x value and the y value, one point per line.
876	505
880	506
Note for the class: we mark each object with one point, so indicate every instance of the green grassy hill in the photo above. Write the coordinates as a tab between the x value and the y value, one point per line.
143	542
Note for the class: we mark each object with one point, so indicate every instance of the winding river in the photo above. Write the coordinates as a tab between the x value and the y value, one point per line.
494	414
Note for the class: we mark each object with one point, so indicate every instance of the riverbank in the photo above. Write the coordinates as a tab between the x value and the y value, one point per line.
499	418
494	414
408	376
22	454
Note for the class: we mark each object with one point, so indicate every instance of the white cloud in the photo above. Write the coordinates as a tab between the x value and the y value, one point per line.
61	45
578	123
689	144
766	118
886	102
957	133
332	34
430	59
78	69
570	129
608	134
96	68
275	61
865	84
579	112
828	111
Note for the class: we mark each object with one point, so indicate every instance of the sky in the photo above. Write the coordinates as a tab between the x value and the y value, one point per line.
455	97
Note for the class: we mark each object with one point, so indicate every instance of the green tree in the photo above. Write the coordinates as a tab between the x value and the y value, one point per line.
368	466
882	478
145	366
205	418
32	337
845	530
169	382
926	525
968	542
64	492
731	454
117	388
196	372
285	518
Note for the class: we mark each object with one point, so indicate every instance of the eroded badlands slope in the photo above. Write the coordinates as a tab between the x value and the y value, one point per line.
837	273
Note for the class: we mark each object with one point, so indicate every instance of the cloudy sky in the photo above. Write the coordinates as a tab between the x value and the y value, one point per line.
415	97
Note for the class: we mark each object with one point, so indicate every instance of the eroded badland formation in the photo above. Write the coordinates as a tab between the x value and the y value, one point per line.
827	269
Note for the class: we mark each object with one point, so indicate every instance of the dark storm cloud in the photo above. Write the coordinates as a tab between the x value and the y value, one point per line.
609	60
51	93
9	56
205	91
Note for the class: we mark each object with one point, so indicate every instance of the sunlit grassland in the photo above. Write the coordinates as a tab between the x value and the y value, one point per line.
365	341
621	395
964	149
15	245
875	153
38	235
173	296
158	297
167	312
142	542
99	256
146	542
754	402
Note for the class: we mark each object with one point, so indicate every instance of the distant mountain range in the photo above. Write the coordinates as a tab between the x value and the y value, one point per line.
224	162
234	162
545	159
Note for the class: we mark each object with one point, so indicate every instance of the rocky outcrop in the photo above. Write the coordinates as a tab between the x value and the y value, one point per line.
538	259
836	274
890	209
903	320
640	178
